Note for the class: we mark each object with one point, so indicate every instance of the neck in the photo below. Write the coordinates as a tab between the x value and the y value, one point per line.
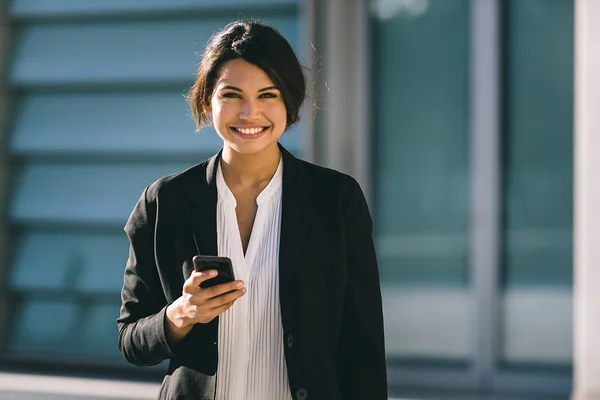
249	169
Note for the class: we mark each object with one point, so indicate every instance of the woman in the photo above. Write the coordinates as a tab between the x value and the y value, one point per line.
304	318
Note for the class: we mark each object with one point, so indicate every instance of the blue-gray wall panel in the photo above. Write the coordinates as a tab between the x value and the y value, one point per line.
153	52
115	123
82	193
64	328
70	261
45	324
145	124
46	8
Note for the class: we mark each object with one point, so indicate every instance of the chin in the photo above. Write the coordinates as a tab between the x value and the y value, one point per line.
250	148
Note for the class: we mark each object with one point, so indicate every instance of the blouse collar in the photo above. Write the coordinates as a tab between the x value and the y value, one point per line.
271	189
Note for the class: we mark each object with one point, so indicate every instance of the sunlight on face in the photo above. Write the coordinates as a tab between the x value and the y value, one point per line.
247	108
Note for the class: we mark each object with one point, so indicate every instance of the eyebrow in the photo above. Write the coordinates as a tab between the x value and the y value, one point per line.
240	90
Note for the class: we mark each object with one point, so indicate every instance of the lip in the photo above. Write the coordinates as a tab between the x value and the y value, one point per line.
249	137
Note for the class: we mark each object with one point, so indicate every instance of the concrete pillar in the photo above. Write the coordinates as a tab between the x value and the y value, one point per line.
346	130
587	201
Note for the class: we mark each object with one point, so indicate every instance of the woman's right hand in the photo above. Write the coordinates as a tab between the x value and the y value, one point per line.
200	305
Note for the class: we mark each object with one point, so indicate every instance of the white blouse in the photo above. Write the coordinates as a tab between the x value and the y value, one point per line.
251	354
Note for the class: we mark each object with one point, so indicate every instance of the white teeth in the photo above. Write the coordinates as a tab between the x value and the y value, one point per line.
249	131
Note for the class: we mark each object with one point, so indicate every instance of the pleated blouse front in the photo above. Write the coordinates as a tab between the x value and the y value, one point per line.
251	353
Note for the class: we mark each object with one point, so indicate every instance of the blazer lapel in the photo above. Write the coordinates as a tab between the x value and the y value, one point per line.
204	212
203	224
295	229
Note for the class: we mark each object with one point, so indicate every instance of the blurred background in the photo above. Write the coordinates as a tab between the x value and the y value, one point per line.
455	115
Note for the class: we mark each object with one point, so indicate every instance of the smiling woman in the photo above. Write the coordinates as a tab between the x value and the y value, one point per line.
304	315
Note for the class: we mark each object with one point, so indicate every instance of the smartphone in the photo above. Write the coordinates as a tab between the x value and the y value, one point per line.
221	264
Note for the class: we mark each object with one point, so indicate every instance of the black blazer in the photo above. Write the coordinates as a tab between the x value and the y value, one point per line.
329	285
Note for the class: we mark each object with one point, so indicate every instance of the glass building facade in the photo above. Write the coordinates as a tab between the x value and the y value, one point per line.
96	112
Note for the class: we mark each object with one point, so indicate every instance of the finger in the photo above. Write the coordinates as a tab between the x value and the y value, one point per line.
196	278
221	309
207	316
200	300
218	290
226	298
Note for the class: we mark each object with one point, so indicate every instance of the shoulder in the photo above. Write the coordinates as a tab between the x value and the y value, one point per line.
328	189
327	176
334	193
168	187
326	180
177	183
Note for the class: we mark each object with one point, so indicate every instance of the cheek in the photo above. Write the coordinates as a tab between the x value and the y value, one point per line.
221	111
279	114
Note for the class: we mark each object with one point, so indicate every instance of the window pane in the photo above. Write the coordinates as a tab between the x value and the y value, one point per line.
37	8
538	183
116	123
421	177
83	193
66	328
45	325
82	261
158	52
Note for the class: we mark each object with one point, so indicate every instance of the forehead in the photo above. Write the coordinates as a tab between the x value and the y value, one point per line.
244	75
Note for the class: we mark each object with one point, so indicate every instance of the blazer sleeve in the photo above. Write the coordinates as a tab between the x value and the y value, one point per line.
361	362
142	338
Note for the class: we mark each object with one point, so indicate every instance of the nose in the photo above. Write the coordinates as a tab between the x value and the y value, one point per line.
250	110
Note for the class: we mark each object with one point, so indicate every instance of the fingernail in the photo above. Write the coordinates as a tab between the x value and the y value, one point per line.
244	290
212	273
240	284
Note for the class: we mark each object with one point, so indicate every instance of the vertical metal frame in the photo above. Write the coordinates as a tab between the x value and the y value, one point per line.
485	183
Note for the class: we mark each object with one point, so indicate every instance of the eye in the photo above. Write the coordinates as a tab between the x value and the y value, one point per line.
268	96
231	95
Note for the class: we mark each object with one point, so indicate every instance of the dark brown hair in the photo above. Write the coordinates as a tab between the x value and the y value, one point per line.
257	44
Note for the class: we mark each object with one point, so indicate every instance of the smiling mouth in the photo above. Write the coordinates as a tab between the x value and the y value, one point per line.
250	131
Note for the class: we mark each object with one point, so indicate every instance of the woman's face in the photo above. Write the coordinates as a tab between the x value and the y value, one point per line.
247	108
